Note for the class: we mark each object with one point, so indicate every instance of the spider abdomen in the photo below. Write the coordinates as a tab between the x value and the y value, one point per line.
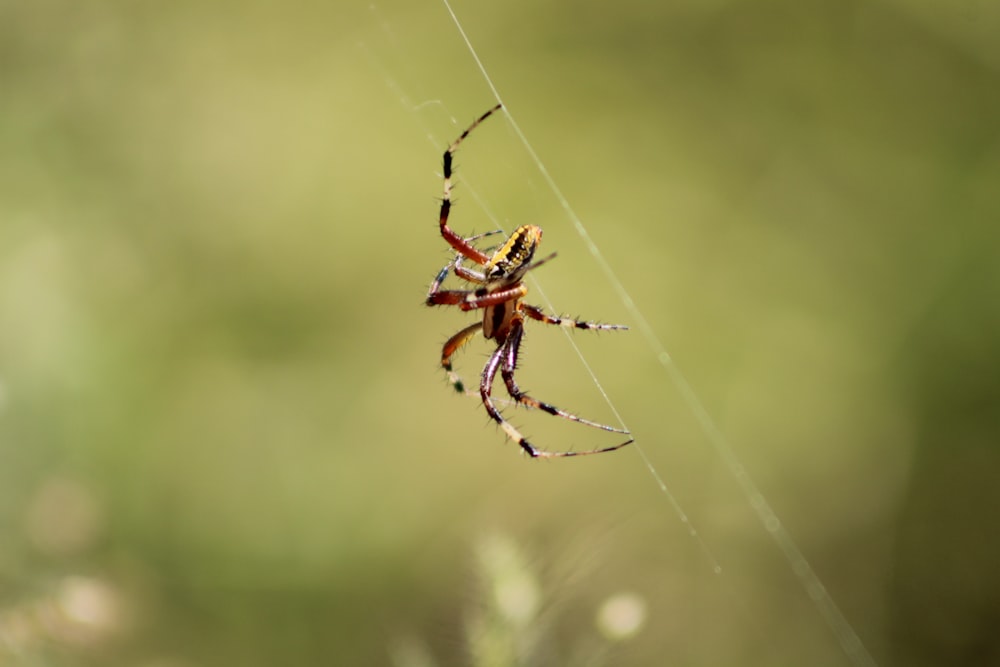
510	260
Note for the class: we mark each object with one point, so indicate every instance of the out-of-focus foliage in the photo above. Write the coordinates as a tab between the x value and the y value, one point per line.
224	436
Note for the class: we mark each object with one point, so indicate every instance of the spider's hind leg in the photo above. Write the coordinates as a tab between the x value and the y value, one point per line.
536	313
451	347
507	353
513	346
485	392
485	389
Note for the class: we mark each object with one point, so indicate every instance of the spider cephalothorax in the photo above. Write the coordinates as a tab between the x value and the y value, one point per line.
499	293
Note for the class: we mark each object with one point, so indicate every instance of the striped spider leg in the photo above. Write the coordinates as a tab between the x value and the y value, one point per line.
498	290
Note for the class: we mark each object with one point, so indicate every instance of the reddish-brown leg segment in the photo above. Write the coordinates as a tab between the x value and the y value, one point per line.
461	245
471	300
451	347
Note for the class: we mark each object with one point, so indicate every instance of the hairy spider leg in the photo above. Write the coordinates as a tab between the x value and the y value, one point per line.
461	245
492	232
536	313
473	299
507	368
451	347
470	276
459	270
485	390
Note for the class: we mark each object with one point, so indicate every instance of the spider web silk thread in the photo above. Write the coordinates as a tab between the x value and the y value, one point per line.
850	643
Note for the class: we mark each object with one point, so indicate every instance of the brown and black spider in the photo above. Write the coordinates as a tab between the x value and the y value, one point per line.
499	292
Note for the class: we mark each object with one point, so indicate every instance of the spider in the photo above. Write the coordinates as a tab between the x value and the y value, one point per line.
498	290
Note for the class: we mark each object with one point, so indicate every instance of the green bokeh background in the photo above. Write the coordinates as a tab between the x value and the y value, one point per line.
224	438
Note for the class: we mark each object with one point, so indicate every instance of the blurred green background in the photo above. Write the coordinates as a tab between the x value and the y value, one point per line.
224	437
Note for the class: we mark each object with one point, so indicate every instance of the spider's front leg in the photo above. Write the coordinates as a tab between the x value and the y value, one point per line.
461	245
455	266
460	271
